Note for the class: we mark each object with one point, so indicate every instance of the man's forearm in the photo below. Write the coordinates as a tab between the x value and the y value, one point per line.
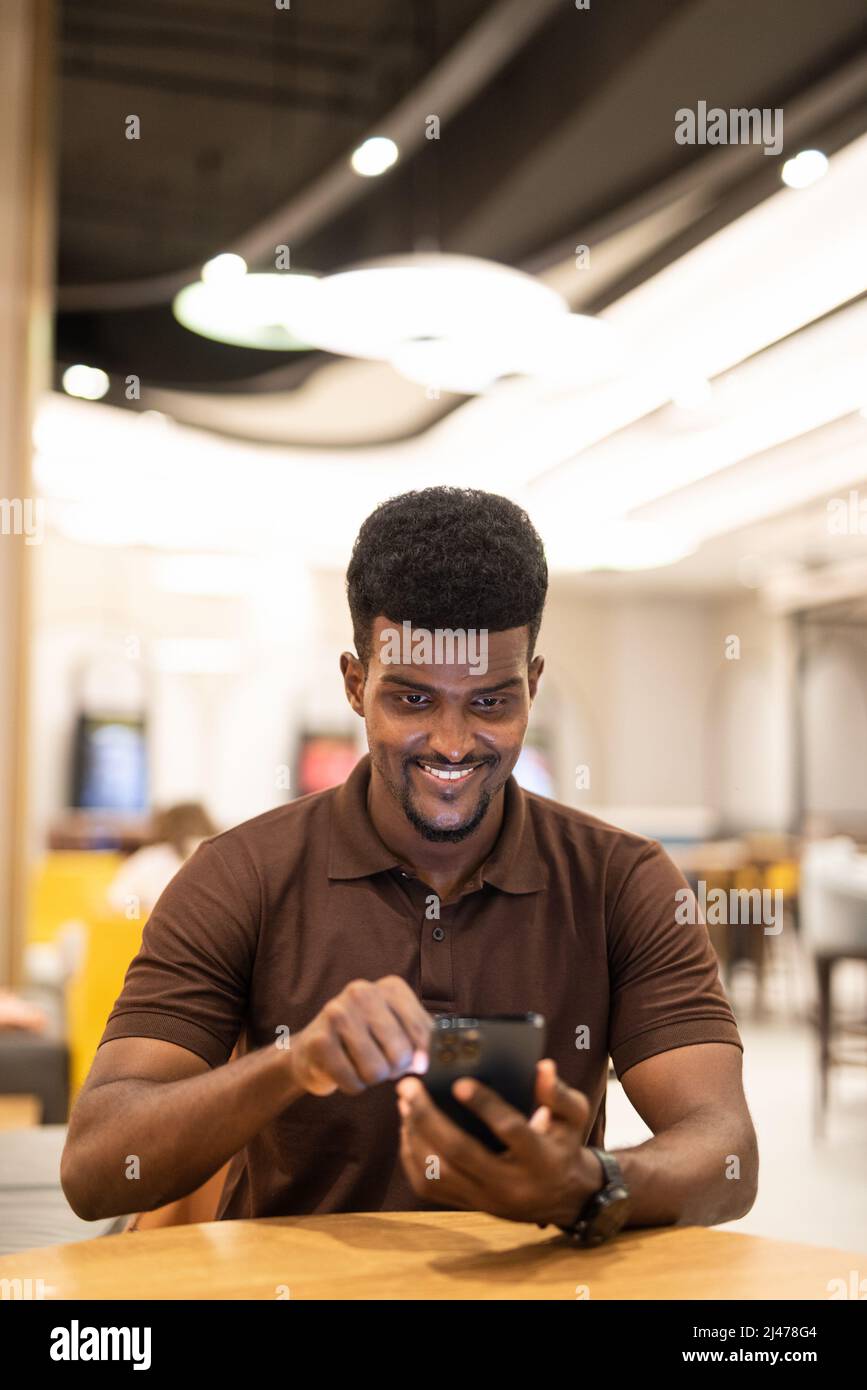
134	1145
700	1172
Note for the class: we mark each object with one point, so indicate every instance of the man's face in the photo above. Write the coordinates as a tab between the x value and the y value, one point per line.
443	737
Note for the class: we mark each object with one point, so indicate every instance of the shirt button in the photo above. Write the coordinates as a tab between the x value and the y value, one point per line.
438	934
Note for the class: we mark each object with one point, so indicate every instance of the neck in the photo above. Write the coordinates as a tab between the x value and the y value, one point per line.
446	867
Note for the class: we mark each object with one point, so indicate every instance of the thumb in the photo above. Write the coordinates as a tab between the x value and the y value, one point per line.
563	1102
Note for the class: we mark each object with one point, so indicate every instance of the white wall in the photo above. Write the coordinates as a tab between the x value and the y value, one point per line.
218	737
679	740
835	720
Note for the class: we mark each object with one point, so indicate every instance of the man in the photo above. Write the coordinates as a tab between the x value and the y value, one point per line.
322	937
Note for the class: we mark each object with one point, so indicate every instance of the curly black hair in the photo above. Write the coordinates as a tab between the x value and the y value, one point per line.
447	557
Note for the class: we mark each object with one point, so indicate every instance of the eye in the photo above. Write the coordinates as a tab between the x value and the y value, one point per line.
414	698
490	701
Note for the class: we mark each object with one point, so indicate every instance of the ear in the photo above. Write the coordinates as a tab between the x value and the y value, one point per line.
353	681
534	675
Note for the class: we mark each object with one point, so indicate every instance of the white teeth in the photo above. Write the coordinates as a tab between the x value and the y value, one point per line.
446	776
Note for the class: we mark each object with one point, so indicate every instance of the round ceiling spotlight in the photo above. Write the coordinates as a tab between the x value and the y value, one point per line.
374	156
804	169
88	383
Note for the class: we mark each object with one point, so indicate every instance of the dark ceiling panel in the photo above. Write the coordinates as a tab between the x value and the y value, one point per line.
240	106
243	106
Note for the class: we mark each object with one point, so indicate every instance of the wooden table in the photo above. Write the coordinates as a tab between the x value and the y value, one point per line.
425	1255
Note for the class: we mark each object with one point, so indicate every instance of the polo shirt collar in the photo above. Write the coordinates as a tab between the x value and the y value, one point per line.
356	851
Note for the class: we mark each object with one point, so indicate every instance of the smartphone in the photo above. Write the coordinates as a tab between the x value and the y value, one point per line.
501	1051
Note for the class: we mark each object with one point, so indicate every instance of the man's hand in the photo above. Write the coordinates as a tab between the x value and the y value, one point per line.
546	1173
372	1031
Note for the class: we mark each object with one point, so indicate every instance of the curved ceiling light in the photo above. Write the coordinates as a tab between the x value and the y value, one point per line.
250	311
454	322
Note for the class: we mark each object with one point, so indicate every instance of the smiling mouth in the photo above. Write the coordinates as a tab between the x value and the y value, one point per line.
448	775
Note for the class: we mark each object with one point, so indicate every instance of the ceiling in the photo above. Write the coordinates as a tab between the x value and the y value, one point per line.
557	129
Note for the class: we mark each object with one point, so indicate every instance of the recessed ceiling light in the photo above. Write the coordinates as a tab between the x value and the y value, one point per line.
374	156
620	544
692	394
226	266
805	168
89	383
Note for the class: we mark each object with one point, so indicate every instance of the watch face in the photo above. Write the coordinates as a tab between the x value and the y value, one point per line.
612	1212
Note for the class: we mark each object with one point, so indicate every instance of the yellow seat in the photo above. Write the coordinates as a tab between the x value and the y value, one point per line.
110	943
783	875
69	885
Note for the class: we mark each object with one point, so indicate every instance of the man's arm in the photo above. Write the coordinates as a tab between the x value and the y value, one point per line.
701	1166
164	1106
150	1100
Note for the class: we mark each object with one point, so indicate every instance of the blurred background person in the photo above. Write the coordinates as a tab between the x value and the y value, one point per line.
178	831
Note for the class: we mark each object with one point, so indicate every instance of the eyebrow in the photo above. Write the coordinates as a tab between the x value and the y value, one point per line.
407	683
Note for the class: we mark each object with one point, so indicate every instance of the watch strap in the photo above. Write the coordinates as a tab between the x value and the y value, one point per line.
582	1228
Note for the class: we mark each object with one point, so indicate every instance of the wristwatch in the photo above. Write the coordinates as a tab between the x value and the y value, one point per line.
605	1212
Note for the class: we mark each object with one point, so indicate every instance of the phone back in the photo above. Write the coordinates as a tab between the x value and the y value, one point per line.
500	1051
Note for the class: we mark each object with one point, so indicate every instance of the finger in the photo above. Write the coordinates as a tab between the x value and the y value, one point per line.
390	1035
370	1062
405	1003
563	1102
540	1120
435	1179
430	1126
546	1075
330	1069
506	1122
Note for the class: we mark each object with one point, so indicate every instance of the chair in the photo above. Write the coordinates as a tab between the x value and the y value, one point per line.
200	1205
109	944
33	1209
834	928
68	885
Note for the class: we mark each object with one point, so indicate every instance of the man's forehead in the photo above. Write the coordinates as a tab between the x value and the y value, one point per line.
405	652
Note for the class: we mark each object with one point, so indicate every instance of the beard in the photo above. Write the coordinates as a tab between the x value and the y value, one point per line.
402	793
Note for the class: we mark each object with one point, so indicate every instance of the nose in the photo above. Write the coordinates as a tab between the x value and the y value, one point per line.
451	738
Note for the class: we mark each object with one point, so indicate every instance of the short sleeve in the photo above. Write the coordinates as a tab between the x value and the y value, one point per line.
665	988
189	983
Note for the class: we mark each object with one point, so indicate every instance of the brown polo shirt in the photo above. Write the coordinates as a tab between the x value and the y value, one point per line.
569	917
